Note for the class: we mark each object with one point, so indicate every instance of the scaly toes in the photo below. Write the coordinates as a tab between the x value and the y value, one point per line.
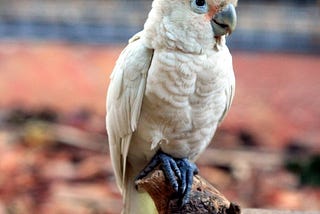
175	170
188	169
154	162
168	165
170	169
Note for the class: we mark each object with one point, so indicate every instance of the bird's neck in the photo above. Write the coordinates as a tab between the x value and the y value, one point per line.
163	32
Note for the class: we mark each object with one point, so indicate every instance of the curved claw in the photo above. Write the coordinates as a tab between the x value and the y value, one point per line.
188	170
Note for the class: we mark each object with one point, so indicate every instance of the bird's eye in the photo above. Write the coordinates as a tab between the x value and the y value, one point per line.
200	2
199	6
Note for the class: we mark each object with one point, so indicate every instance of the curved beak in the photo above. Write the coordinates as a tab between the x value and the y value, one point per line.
225	21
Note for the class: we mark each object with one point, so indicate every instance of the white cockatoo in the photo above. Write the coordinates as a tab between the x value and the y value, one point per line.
170	88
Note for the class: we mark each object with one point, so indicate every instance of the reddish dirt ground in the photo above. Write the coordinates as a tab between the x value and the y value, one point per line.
276	103
277	95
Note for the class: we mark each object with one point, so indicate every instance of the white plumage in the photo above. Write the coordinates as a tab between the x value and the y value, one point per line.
171	87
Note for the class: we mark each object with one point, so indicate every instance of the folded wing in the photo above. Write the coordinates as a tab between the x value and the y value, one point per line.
124	99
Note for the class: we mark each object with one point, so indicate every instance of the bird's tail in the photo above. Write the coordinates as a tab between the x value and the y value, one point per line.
136	202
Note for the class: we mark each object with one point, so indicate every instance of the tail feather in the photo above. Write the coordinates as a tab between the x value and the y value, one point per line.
136	202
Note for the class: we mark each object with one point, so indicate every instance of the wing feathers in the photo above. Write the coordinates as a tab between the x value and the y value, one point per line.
124	100
230	90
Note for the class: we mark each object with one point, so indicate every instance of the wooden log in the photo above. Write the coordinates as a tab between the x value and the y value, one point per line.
204	198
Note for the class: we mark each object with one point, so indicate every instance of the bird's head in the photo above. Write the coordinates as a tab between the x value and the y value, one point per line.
190	25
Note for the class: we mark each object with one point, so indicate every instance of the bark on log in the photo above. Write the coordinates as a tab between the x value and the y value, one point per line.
204	198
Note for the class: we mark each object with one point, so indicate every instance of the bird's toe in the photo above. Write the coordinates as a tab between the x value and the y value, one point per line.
188	170
179	173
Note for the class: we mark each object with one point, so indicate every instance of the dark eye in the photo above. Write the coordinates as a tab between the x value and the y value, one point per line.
200	2
199	6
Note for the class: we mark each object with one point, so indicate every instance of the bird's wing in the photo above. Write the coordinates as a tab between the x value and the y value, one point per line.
124	99
230	85
229	92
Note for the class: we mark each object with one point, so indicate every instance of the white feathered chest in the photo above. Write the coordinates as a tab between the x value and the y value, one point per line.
186	97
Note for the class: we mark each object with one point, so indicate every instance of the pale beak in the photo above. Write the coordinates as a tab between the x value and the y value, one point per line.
225	21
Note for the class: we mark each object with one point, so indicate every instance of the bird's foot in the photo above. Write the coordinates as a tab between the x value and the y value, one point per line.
179	173
187	171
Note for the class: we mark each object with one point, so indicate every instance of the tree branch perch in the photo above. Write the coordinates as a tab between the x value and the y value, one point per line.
204	198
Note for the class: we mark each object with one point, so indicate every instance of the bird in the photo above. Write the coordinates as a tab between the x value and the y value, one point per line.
170	88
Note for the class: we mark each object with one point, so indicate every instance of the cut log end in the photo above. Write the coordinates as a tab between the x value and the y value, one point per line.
204	198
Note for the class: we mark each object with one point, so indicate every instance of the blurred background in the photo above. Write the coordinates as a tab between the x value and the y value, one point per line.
55	60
